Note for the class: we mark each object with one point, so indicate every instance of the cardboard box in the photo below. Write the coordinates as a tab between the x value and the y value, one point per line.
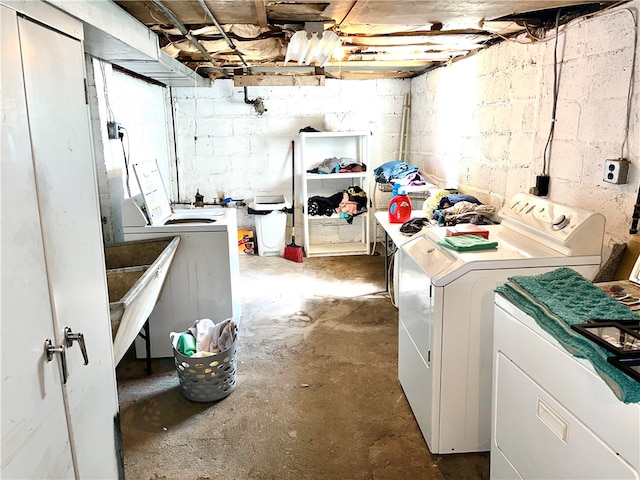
246	241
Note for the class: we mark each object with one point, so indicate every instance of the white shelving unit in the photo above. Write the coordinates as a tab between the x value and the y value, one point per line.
323	235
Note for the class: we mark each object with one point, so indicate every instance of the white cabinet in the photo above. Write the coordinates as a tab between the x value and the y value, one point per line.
53	273
334	235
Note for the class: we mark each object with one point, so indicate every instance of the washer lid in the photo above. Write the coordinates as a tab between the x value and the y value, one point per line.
153	192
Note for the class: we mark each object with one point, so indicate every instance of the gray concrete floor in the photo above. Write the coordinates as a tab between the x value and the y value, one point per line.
317	394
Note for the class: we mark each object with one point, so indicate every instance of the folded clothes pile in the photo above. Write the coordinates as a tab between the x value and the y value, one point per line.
467	242
397	171
339	165
449	207
205	338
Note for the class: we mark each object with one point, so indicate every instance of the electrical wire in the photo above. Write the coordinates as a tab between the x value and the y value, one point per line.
570	25
610	10
160	22
126	154
634	17
390	275
175	144
556	81
105	90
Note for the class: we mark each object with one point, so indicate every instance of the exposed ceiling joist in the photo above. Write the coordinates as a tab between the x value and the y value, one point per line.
278	80
378	38
261	13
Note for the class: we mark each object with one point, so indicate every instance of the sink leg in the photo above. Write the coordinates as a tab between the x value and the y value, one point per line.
144	333
147	343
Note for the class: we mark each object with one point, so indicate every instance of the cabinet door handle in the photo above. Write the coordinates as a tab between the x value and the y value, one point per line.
50	349
70	337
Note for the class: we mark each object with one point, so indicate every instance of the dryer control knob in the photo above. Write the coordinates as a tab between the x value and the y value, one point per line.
560	222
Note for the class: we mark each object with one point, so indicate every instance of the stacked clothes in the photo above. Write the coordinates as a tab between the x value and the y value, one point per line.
451	207
347	204
398	172
339	165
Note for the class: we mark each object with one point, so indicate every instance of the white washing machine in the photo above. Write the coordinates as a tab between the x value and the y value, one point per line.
553	416
445	302
204	278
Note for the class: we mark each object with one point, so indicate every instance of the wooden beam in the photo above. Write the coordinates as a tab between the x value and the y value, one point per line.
278	80
261	13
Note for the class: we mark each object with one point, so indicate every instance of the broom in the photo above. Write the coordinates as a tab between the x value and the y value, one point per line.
293	251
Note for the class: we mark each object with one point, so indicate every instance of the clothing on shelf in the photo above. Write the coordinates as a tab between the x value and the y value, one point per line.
347	204
339	165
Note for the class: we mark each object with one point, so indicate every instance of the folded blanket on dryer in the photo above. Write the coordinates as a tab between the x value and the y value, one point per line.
563	297
467	242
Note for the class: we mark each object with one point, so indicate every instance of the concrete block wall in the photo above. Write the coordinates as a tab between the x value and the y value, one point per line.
225	148
481	124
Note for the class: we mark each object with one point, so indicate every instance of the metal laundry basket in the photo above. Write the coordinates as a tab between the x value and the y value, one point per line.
207	379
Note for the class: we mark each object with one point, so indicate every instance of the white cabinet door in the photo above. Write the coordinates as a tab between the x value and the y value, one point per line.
53	273
32	397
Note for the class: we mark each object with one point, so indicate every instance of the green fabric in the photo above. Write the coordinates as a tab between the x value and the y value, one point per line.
467	242
186	344
561	298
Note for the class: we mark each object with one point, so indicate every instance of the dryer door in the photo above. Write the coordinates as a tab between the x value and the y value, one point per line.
420	324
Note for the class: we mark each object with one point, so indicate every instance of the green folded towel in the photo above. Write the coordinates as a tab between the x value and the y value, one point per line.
467	242
563	297
186	344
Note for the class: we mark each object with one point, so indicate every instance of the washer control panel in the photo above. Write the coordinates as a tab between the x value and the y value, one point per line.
559	226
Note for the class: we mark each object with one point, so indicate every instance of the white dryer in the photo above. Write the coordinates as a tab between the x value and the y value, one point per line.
554	417
204	277
445	307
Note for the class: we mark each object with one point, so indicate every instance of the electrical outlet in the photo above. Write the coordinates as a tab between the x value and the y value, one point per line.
113	130
615	171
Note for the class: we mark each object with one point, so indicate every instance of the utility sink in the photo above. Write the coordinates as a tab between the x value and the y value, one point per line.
136	272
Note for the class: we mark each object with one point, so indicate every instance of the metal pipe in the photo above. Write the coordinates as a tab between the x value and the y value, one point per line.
213	19
224	35
178	24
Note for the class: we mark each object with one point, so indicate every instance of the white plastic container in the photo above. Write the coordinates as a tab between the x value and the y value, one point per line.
270	227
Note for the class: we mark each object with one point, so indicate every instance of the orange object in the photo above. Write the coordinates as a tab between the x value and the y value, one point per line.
400	209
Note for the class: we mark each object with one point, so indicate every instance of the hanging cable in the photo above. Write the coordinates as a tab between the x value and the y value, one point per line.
105	90
125	153
175	144
631	81
556	81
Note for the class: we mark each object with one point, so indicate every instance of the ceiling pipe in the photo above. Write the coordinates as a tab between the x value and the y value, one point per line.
232	46
178	24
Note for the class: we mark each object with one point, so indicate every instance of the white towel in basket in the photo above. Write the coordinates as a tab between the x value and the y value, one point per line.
211	337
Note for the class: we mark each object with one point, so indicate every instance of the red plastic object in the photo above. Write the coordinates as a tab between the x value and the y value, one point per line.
400	209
